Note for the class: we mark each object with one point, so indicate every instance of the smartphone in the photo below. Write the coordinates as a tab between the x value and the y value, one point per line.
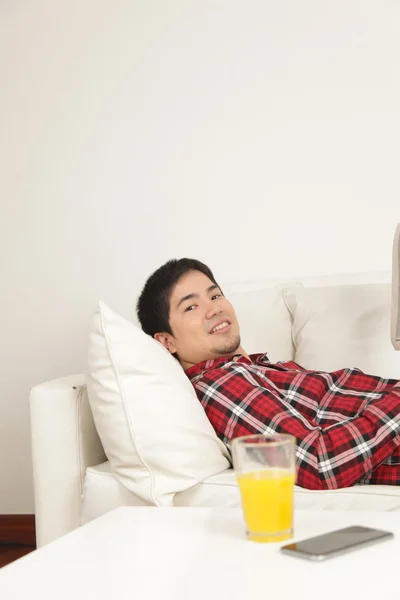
336	542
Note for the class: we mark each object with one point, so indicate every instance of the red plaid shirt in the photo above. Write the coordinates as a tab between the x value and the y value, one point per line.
346	423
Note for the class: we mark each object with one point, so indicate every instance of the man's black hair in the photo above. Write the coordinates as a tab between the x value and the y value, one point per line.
153	304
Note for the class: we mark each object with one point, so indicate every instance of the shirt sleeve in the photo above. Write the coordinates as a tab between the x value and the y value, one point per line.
332	457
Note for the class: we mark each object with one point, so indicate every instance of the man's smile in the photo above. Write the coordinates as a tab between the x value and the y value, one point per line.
221	327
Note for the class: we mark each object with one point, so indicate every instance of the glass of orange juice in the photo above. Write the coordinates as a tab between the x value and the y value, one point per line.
265	470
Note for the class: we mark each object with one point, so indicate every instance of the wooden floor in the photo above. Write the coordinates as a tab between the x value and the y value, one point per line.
17	537
10	553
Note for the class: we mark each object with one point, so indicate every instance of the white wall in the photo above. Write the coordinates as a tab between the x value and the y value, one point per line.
261	137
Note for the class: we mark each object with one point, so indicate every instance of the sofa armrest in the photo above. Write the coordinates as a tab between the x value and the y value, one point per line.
64	444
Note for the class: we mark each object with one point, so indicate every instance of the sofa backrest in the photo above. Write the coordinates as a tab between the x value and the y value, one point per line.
264	319
322	322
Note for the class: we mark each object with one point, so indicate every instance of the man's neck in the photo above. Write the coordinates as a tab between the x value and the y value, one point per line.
242	352
186	365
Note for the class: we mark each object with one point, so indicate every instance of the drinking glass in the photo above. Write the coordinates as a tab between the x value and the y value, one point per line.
265	470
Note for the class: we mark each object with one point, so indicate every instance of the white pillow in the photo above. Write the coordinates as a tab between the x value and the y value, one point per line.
343	326
154	430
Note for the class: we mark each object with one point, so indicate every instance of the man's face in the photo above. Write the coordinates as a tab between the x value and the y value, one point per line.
202	320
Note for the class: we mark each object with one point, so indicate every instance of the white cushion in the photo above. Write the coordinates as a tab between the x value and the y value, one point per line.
343	326
153	429
102	493
265	321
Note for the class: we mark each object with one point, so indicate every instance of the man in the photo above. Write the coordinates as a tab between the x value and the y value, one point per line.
346	423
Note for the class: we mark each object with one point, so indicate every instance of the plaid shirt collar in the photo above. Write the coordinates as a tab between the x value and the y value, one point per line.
214	363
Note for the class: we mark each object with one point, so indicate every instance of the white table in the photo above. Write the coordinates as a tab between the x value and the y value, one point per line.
201	553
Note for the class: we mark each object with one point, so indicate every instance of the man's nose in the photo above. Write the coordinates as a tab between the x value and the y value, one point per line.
213	309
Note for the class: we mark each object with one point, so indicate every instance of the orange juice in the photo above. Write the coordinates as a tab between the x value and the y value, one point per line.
267	500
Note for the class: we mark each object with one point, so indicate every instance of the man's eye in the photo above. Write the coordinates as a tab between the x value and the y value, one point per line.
216	296
191	307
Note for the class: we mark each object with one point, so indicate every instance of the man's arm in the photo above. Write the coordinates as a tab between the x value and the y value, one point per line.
335	456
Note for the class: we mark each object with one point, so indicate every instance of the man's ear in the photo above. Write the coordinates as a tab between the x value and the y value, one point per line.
167	340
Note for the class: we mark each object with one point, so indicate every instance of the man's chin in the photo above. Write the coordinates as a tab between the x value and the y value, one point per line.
228	348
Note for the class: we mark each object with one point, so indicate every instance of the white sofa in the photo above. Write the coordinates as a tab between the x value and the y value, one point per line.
321	322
